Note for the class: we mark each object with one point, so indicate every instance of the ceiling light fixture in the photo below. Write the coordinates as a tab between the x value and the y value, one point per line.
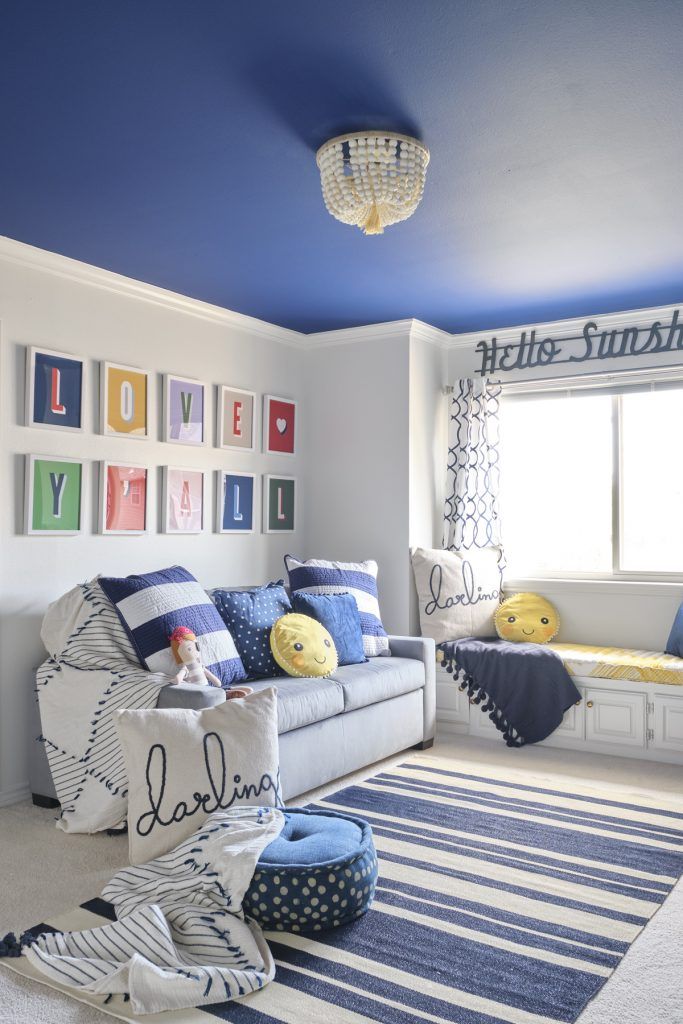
372	179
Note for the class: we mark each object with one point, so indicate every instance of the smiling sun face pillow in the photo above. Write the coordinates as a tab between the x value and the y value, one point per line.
527	618
302	647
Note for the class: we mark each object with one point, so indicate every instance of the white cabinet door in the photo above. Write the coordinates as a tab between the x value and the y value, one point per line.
615	717
668	722
452	703
481	724
571	728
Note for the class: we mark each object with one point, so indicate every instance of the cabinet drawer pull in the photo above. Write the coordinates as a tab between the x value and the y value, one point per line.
577	703
589	703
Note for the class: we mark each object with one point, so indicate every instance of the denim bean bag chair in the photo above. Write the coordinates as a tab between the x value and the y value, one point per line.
319	873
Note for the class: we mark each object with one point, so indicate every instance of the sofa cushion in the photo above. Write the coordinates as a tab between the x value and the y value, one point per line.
378	679
302	702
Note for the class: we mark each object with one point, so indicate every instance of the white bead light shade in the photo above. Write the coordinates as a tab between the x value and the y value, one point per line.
372	179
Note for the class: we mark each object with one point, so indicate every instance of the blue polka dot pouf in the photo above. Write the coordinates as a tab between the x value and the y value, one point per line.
319	873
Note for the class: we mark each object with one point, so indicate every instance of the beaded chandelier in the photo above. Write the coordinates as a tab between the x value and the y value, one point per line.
372	179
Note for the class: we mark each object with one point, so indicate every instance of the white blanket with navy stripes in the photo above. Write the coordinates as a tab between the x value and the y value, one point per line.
180	938
92	670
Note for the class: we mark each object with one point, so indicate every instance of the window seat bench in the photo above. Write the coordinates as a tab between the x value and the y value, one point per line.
631	706
620	663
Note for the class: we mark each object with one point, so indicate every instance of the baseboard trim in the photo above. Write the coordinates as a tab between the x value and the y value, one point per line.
15	795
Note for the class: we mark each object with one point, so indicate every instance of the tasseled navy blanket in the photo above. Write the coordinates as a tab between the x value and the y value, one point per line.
525	688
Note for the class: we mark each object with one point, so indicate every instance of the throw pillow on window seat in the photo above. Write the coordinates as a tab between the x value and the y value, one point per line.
674	644
458	591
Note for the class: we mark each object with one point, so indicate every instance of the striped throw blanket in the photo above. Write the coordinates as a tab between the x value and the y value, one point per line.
92	670
180	939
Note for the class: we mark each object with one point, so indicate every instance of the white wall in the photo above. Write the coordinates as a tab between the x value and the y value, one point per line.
613	613
357	486
140	326
427	453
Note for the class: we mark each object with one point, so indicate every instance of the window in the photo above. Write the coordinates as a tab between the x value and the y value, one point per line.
590	483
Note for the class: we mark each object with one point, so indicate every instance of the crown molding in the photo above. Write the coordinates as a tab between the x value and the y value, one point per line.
354	335
63	266
421	331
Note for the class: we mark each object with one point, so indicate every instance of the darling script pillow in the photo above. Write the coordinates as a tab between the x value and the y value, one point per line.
184	765
458	592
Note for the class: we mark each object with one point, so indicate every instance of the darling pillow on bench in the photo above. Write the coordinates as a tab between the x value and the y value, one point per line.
150	607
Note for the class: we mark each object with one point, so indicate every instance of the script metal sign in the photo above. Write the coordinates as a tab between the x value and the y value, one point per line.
530	351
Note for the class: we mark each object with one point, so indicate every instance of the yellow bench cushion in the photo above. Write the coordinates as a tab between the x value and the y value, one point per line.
620	663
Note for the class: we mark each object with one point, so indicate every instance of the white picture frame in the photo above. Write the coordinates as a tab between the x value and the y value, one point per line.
266	496
29	495
221	475
168	380
105	383
103	494
32	353
268	411
167	492
222	436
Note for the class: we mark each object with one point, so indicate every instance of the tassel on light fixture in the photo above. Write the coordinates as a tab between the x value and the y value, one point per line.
372	179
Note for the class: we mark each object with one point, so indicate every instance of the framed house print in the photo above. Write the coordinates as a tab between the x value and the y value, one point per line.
54	390
54	495
184	410
279	426
124	394
235	502
236	418
123	498
183	500
279	504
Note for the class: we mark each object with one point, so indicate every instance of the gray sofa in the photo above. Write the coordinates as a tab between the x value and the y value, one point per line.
328	727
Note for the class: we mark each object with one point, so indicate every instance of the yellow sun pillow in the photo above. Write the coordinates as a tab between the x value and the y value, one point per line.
302	647
527	618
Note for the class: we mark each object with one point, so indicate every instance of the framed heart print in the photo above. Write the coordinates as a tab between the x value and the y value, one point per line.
54	390
125	400
279	425
183	500
184	410
54	495
235	502
236	418
123	498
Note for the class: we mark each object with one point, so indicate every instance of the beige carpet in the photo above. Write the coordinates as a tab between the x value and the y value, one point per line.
47	872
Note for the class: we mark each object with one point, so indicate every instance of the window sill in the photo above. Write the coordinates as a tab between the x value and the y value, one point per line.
594	585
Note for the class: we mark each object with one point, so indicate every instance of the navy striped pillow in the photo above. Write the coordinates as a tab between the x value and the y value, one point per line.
316	576
150	607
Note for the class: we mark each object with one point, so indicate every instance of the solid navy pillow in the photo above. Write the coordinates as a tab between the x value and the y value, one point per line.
674	644
250	615
338	613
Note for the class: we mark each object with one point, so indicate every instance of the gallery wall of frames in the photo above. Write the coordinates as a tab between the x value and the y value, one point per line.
243	503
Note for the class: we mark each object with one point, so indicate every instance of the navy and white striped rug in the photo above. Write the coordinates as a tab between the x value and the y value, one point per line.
499	902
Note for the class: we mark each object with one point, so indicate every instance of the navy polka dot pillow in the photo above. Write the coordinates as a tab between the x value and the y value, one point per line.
249	615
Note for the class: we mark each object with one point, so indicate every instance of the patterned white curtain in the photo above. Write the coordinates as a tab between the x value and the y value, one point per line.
471	514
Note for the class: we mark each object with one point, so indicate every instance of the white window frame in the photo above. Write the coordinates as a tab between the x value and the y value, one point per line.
654	379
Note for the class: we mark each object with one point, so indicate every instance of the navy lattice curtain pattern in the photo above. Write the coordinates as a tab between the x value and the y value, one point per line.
471	514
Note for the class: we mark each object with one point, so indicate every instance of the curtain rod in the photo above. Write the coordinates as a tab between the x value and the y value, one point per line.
603	378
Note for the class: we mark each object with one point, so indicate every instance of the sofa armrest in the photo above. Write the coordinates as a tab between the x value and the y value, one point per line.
189	695
421	648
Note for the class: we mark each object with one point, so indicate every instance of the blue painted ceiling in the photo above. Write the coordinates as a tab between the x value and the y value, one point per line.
174	142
